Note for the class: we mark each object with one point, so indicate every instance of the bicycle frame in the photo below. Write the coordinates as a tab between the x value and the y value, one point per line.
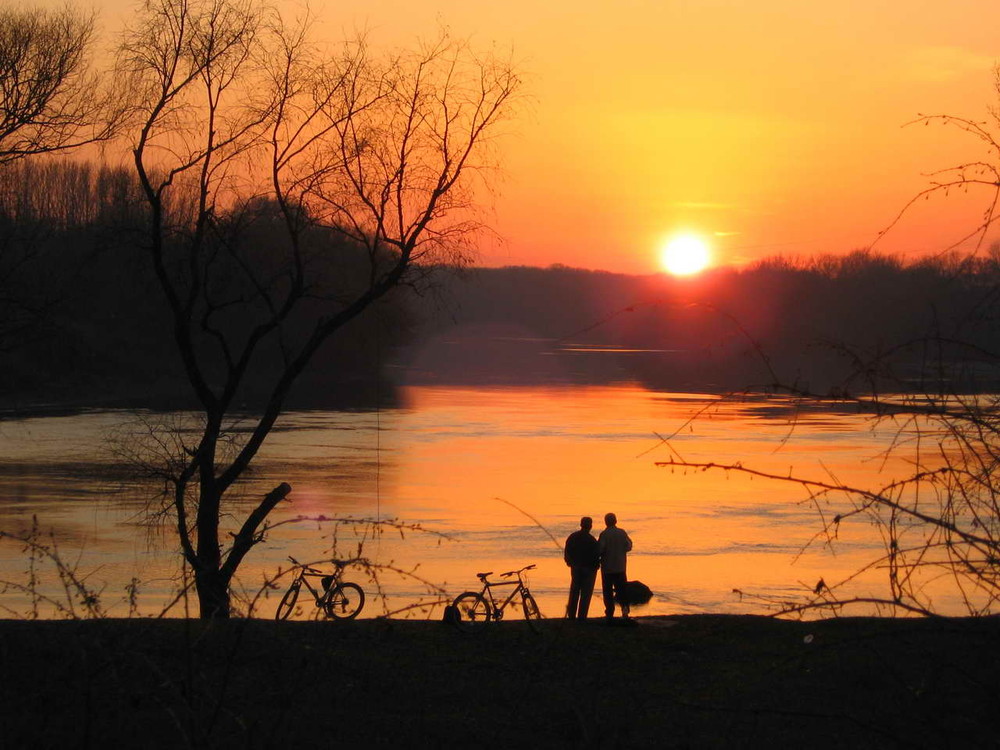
319	593
335	597
471	610
496	610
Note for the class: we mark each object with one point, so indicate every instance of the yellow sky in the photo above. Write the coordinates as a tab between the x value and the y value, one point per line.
768	126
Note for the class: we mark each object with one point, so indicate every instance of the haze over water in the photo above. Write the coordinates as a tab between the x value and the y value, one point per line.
505	473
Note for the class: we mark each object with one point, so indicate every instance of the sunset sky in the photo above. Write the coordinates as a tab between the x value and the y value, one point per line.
765	126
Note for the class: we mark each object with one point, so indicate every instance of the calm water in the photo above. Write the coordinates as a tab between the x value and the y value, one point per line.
503	473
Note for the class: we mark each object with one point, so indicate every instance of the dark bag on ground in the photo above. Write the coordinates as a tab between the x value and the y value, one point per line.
636	593
451	615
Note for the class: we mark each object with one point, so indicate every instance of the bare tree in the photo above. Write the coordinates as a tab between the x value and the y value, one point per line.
51	101
290	189
50	98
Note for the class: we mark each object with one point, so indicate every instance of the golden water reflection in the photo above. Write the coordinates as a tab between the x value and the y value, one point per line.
506	474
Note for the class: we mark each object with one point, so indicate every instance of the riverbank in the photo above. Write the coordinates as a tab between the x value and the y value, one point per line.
697	681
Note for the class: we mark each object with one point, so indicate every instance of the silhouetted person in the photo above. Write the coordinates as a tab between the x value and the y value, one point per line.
614	545
582	557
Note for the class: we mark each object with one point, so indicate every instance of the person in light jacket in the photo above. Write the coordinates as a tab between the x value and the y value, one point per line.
614	545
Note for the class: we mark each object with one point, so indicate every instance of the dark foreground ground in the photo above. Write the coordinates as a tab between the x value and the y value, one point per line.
692	681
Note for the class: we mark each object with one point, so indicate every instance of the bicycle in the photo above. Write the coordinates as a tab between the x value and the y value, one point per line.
472	610
338	599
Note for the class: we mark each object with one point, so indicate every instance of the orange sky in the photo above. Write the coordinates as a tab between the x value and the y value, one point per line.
768	126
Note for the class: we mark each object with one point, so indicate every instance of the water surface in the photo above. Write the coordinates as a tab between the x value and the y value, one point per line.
500	475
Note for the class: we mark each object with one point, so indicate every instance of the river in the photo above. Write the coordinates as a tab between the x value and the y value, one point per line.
495	478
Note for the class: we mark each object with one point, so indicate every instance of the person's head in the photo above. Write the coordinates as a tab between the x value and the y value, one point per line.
610	519
586	523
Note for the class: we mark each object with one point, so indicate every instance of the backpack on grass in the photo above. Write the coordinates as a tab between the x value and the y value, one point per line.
450	615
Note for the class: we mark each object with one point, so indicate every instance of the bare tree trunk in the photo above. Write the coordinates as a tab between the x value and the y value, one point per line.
212	586
213	591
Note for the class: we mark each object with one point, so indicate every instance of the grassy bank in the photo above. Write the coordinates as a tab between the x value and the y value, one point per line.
691	681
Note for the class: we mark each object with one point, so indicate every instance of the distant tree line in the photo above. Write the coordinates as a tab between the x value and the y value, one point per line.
86	325
808	321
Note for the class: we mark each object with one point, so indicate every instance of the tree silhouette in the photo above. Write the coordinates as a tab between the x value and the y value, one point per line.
50	98
51	101
290	189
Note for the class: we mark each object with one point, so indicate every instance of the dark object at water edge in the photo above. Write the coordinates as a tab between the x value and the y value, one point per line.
636	594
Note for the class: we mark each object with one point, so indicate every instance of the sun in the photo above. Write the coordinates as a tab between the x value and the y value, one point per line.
685	255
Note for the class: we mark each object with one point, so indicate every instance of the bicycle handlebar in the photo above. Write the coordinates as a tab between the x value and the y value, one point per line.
336	563
510	573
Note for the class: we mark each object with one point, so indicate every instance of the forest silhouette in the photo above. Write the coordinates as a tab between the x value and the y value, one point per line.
90	325
809	322
88	328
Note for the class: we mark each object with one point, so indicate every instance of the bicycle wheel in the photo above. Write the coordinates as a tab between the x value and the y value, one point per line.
344	601
531	613
287	603
472	611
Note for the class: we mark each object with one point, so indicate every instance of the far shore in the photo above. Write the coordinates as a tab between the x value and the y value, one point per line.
691	681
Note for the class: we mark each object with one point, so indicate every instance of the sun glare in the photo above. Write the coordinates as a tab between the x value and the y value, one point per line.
685	255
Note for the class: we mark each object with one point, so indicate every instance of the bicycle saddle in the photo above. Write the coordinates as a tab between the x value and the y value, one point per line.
482	576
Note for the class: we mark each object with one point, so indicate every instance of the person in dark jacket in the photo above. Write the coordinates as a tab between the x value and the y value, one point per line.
583	559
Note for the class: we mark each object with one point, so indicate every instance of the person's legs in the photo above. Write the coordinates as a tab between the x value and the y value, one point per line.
587	579
620	594
574	593
607	588
614	588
